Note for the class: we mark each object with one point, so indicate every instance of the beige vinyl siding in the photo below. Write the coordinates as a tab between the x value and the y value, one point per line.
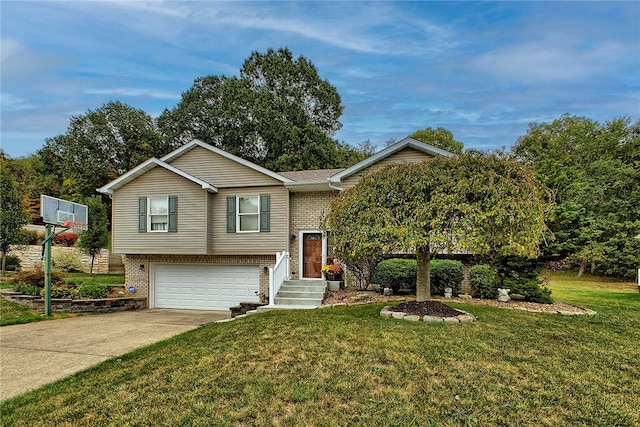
220	171
406	155
190	238
270	242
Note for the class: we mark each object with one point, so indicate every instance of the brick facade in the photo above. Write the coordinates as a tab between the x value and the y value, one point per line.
137	268
306	212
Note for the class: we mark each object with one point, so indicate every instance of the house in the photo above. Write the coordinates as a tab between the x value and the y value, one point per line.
204	229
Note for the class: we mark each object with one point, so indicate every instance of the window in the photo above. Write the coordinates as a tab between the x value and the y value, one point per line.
158	214
248	214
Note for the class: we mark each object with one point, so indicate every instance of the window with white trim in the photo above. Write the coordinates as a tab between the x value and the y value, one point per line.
248	211
158	219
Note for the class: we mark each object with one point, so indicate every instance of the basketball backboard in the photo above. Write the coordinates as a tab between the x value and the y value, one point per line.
62	212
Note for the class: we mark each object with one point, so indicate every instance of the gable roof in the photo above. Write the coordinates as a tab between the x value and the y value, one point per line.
310	180
197	143
392	149
143	168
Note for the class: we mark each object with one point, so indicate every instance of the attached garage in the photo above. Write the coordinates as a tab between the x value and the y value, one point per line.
203	286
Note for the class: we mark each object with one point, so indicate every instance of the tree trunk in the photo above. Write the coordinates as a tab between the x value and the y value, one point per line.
93	257
423	276
583	265
4	260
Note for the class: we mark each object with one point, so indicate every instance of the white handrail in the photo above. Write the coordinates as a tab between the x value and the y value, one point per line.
278	274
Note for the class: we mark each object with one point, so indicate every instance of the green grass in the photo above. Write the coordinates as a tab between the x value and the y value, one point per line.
348	366
104	279
12	313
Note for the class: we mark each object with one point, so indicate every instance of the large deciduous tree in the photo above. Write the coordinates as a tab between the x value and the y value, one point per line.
101	145
278	113
12	214
440	137
476	202
594	171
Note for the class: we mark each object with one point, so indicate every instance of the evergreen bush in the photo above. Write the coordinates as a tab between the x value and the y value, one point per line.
397	273
446	274
484	282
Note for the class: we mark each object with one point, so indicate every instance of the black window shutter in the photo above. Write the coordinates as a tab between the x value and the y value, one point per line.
173	214
265	206
142	214
231	214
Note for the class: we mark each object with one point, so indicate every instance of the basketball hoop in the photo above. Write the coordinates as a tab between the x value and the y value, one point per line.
75	225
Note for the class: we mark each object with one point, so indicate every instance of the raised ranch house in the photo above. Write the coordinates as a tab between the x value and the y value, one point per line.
203	229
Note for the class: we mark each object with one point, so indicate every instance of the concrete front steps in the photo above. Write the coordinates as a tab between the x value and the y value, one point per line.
298	294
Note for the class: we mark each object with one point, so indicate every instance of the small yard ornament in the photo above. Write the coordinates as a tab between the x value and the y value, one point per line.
448	292
503	295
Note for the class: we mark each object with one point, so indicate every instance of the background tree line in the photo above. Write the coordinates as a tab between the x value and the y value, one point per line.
279	113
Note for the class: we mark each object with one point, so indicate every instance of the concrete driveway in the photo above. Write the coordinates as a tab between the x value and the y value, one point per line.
35	354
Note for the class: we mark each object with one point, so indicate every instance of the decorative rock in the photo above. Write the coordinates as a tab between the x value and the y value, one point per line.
339	304
432	319
450	320
466	318
412	318
465	296
397	315
567	313
386	314
387	292
503	295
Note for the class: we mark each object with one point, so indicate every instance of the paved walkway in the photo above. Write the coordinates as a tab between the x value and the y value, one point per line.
35	354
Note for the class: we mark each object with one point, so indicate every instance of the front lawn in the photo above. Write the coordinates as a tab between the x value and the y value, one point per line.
12	313
344	366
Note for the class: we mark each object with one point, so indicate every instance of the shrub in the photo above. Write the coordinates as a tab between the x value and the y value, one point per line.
531	289
36	278
61	292
12	263
446	274
397	274
31	237
66	260
92	290
66	239
25	289
484	282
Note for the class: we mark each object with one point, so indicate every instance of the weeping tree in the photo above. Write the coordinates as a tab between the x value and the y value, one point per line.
476	203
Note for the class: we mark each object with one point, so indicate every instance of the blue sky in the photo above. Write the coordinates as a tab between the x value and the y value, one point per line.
483	70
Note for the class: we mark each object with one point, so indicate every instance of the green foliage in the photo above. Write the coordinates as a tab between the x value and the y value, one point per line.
531	289
446	274
92	290
63	292
99	146
12	263
397	273
66	260
440	138
36	278
96	237
31	237
484	281
26	289
482	203
12	213
278	114
67	239
594	171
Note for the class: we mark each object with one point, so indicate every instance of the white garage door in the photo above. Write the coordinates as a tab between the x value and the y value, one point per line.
203	287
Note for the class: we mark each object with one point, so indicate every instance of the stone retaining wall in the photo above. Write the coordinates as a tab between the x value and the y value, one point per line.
60	305
31	257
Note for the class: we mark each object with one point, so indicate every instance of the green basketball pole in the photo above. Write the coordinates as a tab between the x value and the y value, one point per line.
48	237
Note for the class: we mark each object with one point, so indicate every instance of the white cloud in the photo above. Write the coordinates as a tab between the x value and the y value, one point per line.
133	92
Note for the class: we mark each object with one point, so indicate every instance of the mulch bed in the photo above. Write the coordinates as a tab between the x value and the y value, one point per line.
426	308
